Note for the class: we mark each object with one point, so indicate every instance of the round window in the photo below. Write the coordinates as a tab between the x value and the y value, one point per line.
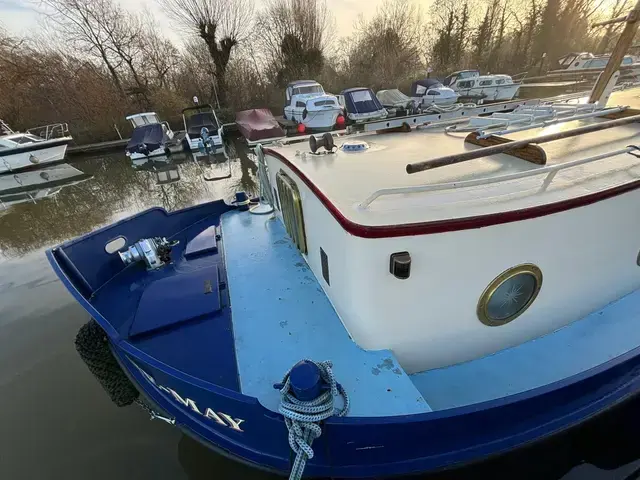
509	295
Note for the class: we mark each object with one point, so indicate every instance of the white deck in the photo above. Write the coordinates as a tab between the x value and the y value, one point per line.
347	179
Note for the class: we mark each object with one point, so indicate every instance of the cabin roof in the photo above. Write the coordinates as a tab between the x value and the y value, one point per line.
347	179
297	83
136	115
200	106
464	71
354	89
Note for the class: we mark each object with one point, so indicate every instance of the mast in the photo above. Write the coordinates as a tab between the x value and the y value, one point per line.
619	51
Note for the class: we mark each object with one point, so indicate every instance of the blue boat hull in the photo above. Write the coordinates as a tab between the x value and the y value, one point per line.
353	446
403	445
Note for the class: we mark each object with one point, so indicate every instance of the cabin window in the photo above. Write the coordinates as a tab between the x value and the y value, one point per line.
301	105
291	208
627	61
420	90
308	89
500	82
509	295
467	74
321	103
486	83
433	92
466	84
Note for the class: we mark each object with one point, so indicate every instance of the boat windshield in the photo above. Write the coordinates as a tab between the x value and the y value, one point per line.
308	89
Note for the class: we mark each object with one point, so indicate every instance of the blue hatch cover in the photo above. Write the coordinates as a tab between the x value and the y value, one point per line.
177	299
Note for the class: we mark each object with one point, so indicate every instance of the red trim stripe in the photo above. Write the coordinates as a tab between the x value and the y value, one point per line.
454	224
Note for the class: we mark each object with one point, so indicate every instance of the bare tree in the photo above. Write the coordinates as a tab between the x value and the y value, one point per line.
222	24
293	34
84	25
387	50
160	55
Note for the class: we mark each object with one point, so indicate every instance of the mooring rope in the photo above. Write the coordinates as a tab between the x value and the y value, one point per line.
303	418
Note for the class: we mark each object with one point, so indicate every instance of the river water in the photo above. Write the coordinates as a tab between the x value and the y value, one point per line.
56	422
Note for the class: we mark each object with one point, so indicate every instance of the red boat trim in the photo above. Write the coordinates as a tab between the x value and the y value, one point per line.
454	224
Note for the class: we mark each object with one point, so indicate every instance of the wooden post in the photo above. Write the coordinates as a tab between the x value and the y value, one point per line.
619	51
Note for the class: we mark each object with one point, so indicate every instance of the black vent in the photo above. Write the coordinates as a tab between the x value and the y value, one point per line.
324	260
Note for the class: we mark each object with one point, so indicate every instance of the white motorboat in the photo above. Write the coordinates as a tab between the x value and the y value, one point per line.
151	137
38	146
591	65
430	91
495	88
196	119
308	104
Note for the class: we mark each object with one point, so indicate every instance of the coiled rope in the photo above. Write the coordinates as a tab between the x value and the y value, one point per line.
303	418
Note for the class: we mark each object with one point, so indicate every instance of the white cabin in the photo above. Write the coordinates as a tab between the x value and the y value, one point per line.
416	263
587	61
469	83
307	103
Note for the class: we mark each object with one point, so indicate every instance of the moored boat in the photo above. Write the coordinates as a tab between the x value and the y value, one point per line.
430	91
196	119
403	311
153	138
37	147
470	84
361	105
307	104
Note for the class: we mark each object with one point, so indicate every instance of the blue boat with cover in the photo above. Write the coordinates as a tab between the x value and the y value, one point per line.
382	321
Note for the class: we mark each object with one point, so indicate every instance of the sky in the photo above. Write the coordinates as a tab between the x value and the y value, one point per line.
20	17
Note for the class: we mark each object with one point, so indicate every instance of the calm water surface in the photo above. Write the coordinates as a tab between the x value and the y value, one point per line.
57	423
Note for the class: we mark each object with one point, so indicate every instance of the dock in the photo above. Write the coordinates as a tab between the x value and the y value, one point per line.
99	147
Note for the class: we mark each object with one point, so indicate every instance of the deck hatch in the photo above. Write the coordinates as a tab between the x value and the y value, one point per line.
291	207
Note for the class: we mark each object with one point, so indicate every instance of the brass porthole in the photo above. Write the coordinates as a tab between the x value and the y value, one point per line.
509	295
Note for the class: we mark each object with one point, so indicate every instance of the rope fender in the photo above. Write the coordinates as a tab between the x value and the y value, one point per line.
303	417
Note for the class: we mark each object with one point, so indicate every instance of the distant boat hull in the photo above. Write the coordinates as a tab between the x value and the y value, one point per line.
33	155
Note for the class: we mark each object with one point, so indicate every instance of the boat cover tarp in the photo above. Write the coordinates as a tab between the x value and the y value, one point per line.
420	87
361	100
258	124
197	121
393	98
150	135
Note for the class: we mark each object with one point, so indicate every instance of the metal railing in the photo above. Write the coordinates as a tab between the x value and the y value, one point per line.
549	170
48	132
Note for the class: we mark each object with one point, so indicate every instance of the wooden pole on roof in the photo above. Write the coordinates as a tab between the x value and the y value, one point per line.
619	51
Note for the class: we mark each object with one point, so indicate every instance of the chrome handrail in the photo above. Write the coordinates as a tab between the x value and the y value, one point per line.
53	130
550	170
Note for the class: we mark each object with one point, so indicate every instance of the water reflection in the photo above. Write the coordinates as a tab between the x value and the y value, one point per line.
69	200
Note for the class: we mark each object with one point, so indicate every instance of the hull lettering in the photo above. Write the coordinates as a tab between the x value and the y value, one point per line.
219	417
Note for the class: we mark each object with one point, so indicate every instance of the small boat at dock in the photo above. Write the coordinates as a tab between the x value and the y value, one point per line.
153	138
31	150
196	119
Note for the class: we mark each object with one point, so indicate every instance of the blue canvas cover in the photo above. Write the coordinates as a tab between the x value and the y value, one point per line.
149	137
426	83
361	100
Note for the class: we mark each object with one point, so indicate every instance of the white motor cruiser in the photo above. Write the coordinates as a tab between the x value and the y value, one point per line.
38	146
308	104
493	88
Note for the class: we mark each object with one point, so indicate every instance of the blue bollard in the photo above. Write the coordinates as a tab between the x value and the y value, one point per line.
306	381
